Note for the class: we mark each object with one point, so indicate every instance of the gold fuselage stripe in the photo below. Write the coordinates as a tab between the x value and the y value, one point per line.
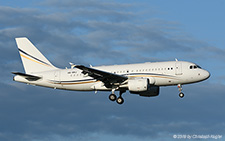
94	81
74	83
153	76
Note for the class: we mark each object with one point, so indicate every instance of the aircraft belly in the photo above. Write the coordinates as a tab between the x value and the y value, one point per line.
166	82
77	87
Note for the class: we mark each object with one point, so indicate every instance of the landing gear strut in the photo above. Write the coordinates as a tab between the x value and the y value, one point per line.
120	100
181	94
113	97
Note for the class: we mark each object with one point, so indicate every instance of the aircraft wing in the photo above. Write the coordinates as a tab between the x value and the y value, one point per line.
107	78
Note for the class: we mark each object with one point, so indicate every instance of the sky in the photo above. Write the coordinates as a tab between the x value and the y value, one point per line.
110	32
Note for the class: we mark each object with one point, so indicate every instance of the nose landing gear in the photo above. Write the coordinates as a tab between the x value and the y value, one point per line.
181	94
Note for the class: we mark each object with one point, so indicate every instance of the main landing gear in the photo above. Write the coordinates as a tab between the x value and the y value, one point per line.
113	97
181	94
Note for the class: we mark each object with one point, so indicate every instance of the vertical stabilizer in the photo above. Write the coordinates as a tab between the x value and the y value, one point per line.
32	58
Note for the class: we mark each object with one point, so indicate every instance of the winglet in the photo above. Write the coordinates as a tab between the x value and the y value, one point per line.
72	65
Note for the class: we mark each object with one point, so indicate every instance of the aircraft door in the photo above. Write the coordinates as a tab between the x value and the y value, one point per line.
178	68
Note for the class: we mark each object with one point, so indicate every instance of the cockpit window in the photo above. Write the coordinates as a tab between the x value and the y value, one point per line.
195	67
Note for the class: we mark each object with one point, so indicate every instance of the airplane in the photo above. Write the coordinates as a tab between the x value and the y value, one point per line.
143	79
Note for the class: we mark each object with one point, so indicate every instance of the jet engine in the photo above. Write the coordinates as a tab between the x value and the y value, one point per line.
143	87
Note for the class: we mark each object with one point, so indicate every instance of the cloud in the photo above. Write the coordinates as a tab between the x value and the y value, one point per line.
68	31
97	32
42	112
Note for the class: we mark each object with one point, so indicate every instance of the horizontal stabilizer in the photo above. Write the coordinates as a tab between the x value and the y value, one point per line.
27	76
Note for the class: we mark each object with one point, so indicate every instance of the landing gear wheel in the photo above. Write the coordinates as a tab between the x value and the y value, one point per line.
112	97
120	100
181	95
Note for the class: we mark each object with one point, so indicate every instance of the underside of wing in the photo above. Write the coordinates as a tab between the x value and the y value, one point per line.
109	79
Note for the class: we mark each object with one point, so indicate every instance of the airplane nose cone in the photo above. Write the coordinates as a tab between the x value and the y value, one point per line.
206	74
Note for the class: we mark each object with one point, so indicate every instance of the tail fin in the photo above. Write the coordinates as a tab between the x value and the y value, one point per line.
33	60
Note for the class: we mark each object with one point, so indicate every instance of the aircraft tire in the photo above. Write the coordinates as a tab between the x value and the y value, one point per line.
112	97
120	100
181	95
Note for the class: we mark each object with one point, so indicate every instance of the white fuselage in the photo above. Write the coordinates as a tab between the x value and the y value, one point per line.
159	74
143	79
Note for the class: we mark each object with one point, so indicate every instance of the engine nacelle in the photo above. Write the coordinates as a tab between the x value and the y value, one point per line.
143	87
